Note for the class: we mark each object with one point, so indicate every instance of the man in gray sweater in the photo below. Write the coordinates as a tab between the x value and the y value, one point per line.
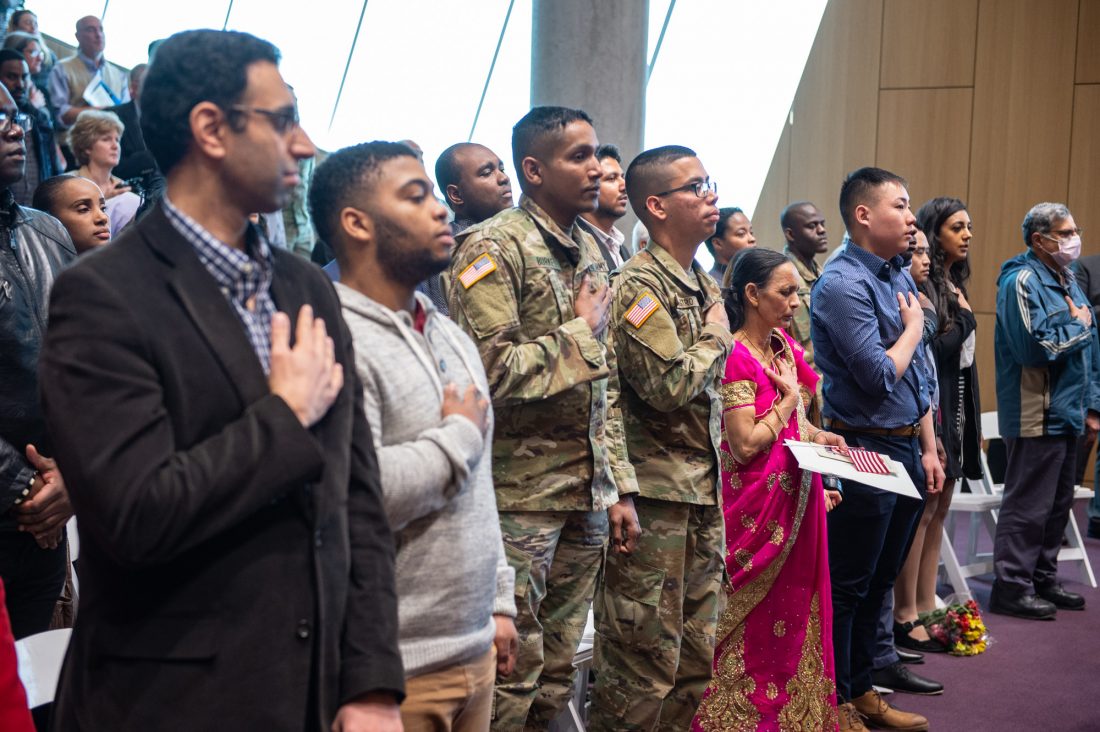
424	393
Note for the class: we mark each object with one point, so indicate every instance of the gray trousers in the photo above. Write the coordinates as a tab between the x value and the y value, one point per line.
1038	497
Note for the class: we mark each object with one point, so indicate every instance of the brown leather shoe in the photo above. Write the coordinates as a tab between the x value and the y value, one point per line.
849	718
880	715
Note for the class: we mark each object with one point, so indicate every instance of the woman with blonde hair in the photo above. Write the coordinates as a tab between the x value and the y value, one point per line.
94	140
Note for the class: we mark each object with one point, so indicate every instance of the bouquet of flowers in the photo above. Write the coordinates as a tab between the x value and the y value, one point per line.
959	627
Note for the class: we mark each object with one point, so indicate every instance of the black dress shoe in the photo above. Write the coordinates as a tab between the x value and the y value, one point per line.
909	657
902	639
1060	597
1024	606
899	678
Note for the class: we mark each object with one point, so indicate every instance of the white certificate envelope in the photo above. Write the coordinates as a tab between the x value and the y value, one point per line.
97	93
811	457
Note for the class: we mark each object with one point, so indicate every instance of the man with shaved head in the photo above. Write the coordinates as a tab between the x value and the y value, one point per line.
804	229
474	185
71	76
672	337
531	288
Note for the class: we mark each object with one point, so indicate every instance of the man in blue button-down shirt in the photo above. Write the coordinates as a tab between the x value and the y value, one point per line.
866	325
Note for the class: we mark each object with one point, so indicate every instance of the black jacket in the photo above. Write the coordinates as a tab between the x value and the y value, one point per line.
233	563
35	247
962	447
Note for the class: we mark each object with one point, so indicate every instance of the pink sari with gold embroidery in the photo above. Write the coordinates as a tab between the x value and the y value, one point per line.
773	663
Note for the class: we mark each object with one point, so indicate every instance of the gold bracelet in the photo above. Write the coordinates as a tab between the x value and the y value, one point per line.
764	421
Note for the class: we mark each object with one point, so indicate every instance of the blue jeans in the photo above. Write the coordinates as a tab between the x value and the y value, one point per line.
869	535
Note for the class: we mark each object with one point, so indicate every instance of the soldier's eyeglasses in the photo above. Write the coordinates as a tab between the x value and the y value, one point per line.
701	188
25	122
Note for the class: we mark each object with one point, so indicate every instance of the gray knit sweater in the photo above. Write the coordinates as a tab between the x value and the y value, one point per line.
437	482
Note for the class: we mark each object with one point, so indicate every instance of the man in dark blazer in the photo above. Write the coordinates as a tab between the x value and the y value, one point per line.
237	570
1087	269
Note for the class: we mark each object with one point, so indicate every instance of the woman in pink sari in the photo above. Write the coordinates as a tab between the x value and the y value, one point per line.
773	663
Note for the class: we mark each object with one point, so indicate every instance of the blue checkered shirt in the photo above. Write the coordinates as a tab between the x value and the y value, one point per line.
244	278
854	319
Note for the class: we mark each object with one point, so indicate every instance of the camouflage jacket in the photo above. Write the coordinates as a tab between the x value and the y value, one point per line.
670	363
559	442
800	328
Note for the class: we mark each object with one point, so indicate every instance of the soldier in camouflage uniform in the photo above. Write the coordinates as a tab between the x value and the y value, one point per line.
804	229
657	609
531	289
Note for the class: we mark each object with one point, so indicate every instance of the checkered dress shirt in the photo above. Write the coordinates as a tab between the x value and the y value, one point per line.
244	278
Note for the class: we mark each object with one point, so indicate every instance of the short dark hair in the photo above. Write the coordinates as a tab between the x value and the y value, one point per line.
345	174
785	215
193	67
8	54
531	132
609	151
646	174
47	192
859	187
446	168
724	216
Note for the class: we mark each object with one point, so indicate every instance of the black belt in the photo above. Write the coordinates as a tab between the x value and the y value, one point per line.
910	430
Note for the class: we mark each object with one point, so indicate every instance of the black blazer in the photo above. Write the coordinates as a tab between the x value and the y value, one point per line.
1087	270
230	559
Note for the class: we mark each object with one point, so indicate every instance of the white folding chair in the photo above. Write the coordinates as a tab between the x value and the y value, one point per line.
1075	549
575	716
40	657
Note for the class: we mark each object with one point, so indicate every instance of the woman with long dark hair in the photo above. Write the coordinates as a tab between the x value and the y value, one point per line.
946	223
773	662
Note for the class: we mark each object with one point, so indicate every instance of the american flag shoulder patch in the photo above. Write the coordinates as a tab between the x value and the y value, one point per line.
642	308
477	269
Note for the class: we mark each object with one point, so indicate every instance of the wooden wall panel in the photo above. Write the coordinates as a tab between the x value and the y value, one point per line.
774	196
835	107
1088	47
928	43
1084	168
983	356
924	136
1020	145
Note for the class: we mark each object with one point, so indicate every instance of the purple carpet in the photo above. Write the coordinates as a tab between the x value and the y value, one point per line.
1035	676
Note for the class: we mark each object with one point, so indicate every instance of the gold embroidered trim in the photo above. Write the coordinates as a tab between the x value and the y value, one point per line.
810	690
776	532
738	394
726	706
742	602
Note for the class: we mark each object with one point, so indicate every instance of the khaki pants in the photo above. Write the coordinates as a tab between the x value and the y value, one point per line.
656	616
556	555
455	699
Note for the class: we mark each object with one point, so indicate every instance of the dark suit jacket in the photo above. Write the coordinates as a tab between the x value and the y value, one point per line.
1087	270
230	558
132	140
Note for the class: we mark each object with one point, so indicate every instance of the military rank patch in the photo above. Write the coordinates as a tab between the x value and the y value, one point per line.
642	308
479	268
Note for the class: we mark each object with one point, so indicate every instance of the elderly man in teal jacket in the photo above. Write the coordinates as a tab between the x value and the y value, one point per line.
1048	394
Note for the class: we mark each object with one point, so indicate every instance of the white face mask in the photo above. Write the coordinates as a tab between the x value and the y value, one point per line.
1068	249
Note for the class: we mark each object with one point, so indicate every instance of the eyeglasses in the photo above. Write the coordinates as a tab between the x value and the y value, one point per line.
1064	234
282	120
37	53
25	122
701	188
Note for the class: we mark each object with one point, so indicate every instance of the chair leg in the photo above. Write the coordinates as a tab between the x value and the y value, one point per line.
951	566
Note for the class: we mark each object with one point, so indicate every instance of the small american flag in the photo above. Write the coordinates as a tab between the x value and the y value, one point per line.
480	267
642	308
865	461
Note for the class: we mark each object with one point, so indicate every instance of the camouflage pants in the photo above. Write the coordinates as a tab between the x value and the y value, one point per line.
656	616
556	555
